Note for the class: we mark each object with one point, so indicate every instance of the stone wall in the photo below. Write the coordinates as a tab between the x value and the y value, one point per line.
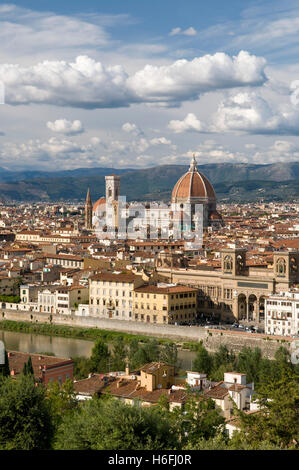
212	339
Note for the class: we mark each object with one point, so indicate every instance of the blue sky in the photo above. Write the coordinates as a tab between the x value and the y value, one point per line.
141	83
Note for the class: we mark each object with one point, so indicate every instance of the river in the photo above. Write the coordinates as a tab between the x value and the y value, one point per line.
66	347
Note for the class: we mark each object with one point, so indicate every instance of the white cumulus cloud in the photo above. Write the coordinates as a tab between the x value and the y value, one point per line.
131	128
63	126
251	113
86	83
190	123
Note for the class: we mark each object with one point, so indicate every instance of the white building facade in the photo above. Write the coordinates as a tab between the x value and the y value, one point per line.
282	314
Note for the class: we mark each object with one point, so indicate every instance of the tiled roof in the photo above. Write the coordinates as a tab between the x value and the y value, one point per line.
92	385
17	360
132	390
218	392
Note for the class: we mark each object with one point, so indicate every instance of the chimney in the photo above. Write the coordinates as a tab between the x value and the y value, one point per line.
127	369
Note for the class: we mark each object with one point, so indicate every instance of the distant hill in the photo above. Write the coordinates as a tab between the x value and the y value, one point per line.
7	176
232	182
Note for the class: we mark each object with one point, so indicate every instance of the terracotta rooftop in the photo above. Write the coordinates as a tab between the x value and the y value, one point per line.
17	360
92	385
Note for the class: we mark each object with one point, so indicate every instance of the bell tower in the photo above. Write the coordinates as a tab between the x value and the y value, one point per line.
112	188
112	194
233	261
88	212
286	266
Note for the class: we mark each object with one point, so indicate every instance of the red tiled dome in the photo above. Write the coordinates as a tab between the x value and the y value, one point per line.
98	203
192	185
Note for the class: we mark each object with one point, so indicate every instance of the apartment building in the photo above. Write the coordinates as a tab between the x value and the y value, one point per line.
165	304
111	295
61	299
282	313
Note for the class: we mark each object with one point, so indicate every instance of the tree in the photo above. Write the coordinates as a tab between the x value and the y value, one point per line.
152	350
62	399
133	349
99	357
203	362
28	367
249	362
25	419
82	367
111	424
149	352
169	354
276	422
200	419
119	354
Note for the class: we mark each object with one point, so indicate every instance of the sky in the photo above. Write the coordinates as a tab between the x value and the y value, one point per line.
140	83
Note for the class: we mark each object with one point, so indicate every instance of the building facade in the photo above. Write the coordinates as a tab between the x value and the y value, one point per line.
161	304
282	314
236	290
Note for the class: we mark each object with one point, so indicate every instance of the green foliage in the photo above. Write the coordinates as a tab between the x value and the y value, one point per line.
93	334
249	361
14	299
139	355
25	419
62	399
110	424
28	368
99	359
203	361
277	420
217	442
82	367
119	354
169	354
200	419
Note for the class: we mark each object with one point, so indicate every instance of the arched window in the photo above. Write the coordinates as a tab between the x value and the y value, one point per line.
281	267
228	263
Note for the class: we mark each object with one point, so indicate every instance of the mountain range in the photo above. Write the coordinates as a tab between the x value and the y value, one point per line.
233	182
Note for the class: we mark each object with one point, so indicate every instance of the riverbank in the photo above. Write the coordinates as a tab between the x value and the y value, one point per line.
90	334
92	328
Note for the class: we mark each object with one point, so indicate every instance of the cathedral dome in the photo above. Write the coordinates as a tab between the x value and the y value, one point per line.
99	202
192	185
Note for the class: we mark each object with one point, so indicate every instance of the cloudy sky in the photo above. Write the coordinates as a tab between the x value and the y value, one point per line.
133	83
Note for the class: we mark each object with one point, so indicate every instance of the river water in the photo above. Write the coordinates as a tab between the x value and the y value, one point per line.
66	347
